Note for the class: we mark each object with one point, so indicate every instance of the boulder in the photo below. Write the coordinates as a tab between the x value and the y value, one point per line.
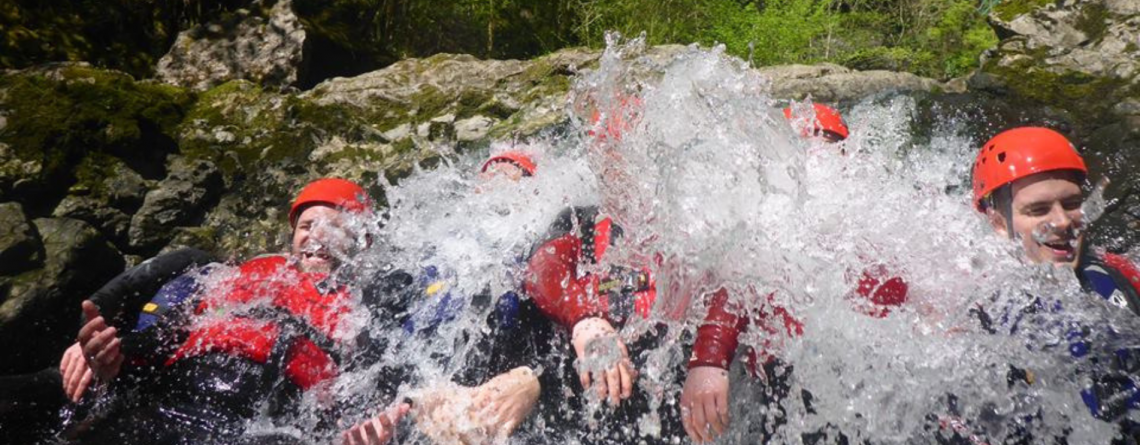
20	247
263	45
105	194
59	116
44	303
1083	57
180	199
833	83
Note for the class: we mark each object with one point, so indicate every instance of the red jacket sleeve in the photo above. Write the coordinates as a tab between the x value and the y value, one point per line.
553	283
719	334
878	290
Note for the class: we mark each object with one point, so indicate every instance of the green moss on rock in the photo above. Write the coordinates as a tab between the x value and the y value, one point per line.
57	116
1084	95
1093	20
1009	9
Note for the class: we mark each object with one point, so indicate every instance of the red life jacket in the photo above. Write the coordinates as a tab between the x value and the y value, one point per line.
267	294
579	237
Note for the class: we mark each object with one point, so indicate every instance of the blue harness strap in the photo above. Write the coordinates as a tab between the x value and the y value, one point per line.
170	296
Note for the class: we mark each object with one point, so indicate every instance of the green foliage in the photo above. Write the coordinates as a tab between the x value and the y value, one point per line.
938	38
128	35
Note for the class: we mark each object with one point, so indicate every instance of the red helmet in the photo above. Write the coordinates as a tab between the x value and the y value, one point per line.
827	120
518	158
333	192
621	118
1018	153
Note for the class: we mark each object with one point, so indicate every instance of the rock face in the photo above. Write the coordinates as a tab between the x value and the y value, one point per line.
176	201
20	247
1083	57
833	83
44	303
1081	60
264	46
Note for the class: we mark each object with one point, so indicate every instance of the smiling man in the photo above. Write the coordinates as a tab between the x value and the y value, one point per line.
1028	183
256	338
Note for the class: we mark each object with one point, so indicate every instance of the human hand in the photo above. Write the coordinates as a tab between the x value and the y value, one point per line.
505	401
377	430
704	403
603	359
76	374
100	344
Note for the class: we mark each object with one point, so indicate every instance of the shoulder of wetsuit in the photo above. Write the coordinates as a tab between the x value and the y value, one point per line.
1114	277
119	298
388	289
579	221
162	320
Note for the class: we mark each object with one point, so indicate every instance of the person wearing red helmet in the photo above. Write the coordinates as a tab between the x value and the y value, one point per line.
267	332
1027	181
705	396
828	123
513	165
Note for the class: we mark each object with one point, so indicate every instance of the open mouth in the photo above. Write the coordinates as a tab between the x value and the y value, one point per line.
1060	247
318	255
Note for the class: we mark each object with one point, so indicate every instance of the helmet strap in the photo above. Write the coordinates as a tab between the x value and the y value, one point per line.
1003	198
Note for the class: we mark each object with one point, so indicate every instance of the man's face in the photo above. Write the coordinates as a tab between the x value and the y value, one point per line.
503	169
320	240
1046	216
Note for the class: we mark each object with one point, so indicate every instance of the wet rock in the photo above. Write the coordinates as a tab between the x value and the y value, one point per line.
44	303
58	116
833	83
473	129
20	247
182	197
1083	57
263	45
106	192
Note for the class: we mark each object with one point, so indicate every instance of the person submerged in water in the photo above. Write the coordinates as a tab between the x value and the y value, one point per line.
258	338
508	350
1027	182
706	396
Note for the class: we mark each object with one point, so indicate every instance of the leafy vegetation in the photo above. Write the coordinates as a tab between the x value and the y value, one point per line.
938	38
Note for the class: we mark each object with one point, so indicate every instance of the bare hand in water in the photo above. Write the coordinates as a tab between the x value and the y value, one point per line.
76	374
505	401
100	343
603	360
377	430
704	403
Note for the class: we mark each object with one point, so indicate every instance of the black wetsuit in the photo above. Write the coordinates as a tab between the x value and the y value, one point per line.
30	403
209	398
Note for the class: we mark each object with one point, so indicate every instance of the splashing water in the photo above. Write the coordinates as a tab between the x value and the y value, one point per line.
714	189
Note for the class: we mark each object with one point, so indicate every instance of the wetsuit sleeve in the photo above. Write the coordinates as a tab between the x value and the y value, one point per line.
553	283
878	291
719	334
121	297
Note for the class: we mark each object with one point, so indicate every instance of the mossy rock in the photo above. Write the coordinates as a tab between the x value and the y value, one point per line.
1009	9
1089	97
58	115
